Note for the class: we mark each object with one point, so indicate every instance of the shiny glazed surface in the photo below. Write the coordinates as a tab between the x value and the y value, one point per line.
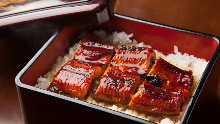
120	80
168	97
89	61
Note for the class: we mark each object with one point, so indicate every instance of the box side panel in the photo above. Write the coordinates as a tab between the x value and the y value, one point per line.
163	38
207	101
39	108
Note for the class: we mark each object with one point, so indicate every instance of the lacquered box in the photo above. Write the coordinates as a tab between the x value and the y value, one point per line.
57	12
41	106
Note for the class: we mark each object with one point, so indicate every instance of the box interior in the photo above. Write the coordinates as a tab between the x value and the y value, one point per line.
160	38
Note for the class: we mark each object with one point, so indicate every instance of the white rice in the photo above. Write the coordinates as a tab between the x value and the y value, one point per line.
183	61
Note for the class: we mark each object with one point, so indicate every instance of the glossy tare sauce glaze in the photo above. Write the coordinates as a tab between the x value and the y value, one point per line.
90	60
120	80
164	91
162	87
172	77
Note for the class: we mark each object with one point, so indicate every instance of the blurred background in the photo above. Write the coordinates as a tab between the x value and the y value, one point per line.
19	43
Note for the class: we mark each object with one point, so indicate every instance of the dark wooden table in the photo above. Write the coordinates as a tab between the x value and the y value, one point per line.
16	51
13	55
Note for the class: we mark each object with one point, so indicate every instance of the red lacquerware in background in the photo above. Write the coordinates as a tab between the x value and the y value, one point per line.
59	12
40	106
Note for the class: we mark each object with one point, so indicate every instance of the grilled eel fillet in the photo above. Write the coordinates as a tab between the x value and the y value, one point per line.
164	91
89	61
120	80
